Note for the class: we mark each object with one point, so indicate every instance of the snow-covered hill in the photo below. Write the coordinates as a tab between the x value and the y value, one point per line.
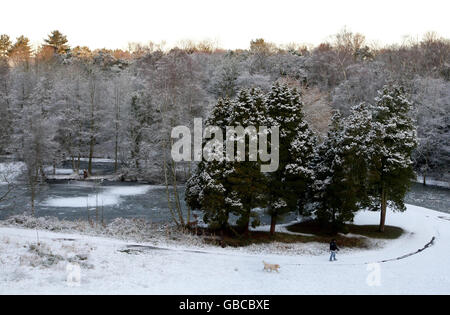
112	266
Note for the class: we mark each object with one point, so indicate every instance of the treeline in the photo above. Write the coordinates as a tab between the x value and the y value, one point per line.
364	162
59	102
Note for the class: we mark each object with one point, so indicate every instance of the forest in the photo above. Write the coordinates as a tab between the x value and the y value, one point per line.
60	103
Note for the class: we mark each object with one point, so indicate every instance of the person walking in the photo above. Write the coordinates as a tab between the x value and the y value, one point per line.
333	250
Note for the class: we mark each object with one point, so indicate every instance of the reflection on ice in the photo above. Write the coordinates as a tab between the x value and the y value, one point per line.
106	197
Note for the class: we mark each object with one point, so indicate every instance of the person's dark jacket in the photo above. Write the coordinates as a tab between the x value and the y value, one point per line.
333	246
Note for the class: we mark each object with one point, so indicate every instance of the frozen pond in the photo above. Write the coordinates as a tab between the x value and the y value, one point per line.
74	200
431	197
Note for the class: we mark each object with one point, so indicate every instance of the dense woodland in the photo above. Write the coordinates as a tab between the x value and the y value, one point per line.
364	162
60	103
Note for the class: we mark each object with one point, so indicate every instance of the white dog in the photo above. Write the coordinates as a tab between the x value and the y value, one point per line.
271	267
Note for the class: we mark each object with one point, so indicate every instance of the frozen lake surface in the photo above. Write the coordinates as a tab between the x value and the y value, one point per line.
73	200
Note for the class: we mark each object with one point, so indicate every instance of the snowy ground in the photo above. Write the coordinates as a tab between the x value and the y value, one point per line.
110	266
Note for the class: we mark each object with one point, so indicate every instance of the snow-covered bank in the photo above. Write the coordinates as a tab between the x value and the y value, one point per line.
10	171
61	171
433	182
74	176
98	160
110	266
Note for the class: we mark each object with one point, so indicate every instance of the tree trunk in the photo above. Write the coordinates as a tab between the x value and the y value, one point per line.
78	164
247	230
92	127
273	223
91	155
116	155
42	173
175	192
247	224
117	127
383	210
33	197
169	203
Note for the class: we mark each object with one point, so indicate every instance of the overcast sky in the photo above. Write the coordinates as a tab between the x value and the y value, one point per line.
233	23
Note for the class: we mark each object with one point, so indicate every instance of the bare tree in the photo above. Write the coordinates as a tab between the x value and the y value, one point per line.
6	179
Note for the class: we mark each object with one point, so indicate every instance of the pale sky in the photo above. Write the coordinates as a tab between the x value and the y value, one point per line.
233	23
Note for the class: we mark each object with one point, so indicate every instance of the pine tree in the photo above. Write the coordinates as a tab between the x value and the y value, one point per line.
357	147
208	189
288	185
248	183
335	185
5	45
59	41
21	50
222	187
393	141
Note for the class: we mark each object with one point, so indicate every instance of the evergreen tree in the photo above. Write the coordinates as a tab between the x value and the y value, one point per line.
393	141
21	50
335	186
357	147
248	183
208	189
5	45
288	185
59	41
222	187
